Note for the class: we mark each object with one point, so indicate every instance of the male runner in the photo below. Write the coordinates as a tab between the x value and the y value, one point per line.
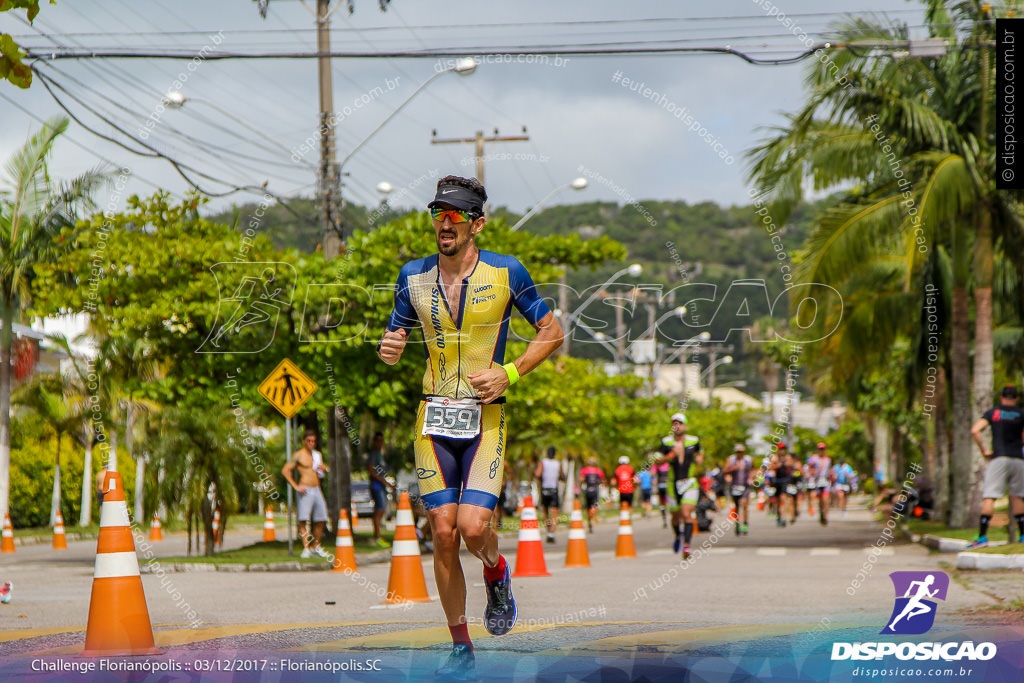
1005	471
785	489
303	472
796	474
739	470
549	472
819	475
662	473
644	477
843	475
461	298
624	477
681	451
591	477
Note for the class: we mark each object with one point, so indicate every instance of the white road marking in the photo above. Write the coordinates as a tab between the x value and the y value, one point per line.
776	552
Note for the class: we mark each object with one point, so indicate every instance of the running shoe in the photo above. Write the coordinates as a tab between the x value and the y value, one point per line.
551	538
5	592
979	542
744	529
381	543
320	552
737	528
686	552
306	553
461	664
677	544
500	615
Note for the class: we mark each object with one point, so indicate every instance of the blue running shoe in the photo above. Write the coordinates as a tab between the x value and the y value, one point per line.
500	615
979	542
677	544
461	664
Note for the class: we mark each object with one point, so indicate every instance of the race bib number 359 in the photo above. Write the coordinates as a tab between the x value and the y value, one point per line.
452	419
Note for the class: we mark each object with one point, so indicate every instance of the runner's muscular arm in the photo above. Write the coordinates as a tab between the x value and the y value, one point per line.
492	383
976	430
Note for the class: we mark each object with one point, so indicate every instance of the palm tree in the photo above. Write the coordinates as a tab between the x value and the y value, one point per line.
56	399
33	211
914	138
80	369
205	467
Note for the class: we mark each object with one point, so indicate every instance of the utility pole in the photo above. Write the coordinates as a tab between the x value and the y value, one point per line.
329	183
479	140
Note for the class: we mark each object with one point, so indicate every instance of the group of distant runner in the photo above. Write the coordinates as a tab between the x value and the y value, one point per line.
673	479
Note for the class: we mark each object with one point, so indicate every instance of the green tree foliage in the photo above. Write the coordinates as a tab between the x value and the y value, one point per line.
207	466
34	208
11	67
913	139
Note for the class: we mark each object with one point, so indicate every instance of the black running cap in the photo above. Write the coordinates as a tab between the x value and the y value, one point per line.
1009	391
459	197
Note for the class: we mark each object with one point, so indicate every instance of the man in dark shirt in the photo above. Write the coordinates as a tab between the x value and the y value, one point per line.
1005	472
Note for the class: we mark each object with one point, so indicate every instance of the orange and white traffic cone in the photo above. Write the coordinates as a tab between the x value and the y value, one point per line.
60	541
218	538
405	581
530	555
732	513
118	618
355	517
576	554
760	500
268	526
156	532
344	553
624	546
7	546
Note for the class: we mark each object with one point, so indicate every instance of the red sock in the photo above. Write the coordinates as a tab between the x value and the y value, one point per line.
460	635
497	572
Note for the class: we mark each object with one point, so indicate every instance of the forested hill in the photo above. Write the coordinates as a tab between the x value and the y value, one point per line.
708	238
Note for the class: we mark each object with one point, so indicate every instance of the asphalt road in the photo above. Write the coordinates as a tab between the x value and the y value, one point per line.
795	585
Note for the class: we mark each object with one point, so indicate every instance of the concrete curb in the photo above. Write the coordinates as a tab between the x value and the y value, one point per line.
376	557
950	545
984	562
40	540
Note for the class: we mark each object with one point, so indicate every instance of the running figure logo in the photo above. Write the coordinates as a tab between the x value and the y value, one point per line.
257	297
914	612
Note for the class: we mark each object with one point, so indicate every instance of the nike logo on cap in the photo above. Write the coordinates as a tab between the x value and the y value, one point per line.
448	191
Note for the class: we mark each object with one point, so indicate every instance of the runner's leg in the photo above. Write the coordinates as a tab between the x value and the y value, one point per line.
451	582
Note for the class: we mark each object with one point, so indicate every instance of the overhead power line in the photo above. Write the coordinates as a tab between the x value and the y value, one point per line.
51	55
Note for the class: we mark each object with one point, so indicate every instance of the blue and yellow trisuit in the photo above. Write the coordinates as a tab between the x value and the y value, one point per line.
465	471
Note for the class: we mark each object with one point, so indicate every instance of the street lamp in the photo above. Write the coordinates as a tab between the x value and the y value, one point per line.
177	100
463	67
724	360
577	184
633	270
600	337
652	344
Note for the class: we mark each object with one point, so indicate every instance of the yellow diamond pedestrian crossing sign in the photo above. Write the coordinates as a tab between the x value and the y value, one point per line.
287	388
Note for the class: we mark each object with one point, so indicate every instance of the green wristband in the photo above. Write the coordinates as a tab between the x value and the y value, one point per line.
512	372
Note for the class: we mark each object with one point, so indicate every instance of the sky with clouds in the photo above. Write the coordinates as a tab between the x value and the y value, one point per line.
246	116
